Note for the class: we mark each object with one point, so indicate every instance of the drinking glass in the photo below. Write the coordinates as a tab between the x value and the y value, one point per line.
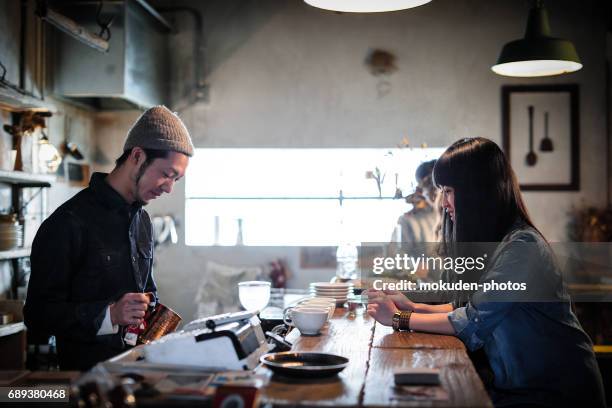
254	295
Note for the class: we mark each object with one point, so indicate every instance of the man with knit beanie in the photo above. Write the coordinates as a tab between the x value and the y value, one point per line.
92	258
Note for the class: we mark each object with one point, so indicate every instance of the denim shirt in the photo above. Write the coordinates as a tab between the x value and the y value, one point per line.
91	251
535	345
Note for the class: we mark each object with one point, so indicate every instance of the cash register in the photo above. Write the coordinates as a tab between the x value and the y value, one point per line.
231	341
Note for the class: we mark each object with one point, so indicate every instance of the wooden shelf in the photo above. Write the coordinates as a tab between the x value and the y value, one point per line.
14	253
11	328
13	101
23	179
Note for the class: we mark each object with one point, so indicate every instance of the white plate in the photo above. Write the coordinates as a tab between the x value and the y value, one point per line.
327	285
331	290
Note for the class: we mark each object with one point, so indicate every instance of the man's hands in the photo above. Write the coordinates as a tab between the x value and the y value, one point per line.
130	309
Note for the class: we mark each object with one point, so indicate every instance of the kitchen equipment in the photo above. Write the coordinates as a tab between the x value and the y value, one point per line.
124	77
236	345
11	232
546	144
308	319
212	322
531	158
320	302
5	318
304	364
159	322
340	291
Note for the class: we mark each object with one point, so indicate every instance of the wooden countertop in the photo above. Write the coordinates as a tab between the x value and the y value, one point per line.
375	351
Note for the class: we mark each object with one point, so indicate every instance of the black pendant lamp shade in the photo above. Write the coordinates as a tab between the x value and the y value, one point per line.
538	54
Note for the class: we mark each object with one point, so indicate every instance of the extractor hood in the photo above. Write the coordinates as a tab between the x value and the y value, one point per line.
133	73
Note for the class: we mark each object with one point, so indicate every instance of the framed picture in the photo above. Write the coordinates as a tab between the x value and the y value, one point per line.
540	135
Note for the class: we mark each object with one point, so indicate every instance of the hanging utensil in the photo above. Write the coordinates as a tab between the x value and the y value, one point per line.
546	145
398	191
531	158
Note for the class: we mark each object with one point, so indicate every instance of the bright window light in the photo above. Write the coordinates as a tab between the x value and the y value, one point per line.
297	197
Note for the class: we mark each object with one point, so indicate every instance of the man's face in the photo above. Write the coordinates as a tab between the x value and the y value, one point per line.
159	177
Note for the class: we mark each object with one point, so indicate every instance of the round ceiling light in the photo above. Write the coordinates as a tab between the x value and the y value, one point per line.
538	53
365	6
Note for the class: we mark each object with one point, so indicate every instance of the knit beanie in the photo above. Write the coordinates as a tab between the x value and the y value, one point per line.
160	129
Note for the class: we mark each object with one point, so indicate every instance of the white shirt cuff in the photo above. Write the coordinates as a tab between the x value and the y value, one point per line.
107	326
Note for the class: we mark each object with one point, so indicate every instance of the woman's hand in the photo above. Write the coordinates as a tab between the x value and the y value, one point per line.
382	309
397	297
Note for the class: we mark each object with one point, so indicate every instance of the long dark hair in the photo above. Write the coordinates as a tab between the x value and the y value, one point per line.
488	200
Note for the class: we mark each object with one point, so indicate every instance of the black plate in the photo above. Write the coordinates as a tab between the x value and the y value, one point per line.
303	364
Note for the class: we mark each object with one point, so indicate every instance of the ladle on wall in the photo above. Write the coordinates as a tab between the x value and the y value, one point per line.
531	158
546	144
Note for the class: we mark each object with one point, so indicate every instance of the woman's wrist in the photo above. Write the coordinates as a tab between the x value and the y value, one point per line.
426	308
422	308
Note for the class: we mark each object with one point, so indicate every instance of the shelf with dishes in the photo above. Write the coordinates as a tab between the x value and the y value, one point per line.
23	179
14	253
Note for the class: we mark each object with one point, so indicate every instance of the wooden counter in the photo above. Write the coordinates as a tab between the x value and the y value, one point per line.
375	351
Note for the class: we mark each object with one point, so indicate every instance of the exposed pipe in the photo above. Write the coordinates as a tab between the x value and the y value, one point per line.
199	71
22	45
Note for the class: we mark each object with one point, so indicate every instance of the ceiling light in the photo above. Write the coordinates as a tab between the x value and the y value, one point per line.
538	54
366	6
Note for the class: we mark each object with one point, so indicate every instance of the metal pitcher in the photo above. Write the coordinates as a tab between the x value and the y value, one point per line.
159	322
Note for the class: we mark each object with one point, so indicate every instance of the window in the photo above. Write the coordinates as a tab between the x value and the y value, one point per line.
300	197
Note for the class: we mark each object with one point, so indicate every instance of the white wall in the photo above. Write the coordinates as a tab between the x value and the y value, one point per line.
284	74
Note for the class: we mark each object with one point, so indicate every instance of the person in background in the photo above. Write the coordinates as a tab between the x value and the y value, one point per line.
421	223
417	230
535	346
92	258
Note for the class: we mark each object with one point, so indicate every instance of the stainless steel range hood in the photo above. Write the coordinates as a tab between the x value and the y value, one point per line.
134	71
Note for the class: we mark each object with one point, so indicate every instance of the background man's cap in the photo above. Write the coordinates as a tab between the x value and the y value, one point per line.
160	129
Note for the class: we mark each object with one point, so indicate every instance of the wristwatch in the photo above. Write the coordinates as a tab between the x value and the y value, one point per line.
401	320
395	320
404	320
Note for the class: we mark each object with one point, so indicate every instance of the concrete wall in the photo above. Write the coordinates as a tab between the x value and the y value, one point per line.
281	73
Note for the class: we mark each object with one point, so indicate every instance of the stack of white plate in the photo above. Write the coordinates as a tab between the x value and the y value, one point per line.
11	235
338	290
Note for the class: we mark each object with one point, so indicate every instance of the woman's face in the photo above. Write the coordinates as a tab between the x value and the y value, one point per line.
448	201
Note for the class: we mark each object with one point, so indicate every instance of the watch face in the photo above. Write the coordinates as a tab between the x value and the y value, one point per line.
232	401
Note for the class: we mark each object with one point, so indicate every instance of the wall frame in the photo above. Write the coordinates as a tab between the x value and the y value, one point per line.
536	118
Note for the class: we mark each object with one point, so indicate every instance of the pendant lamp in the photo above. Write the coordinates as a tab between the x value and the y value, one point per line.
537	54
365	6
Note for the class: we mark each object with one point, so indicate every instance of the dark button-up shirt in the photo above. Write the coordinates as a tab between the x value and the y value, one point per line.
91	251
535	345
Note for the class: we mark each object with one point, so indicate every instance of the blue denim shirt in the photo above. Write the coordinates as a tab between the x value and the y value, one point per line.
535	345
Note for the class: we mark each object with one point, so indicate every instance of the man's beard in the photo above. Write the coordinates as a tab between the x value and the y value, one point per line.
137	199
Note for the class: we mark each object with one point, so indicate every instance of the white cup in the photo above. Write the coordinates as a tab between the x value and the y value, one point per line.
320	302
309	320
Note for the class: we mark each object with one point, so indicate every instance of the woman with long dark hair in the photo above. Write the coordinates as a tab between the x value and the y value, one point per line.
535	346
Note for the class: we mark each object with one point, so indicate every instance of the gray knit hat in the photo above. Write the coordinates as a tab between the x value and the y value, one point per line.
158	128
